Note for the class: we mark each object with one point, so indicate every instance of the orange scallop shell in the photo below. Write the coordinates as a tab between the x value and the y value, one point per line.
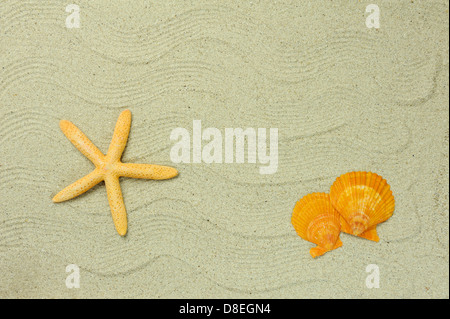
315	220
363	199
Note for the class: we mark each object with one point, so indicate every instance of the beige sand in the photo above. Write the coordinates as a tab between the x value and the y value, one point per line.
344	97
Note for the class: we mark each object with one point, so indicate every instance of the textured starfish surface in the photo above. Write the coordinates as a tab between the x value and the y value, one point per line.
109	168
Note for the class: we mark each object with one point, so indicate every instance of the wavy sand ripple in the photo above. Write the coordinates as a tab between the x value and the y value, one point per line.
343	98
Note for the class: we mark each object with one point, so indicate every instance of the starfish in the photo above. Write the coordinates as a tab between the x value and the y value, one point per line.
109	168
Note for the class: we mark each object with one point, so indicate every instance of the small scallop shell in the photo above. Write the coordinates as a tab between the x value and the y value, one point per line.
364	200
315	220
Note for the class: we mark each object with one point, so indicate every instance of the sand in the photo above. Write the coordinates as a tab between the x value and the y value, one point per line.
343	97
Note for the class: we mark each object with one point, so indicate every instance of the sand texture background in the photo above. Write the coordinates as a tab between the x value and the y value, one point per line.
343	97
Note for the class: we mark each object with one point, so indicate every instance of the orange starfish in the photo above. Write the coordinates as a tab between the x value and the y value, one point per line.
109	168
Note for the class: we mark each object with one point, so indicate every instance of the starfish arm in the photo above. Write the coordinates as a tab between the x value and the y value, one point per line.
120	136
79	187
81	142
147	171
115	199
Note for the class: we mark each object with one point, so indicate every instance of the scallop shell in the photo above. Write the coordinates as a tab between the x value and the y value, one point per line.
315	220
364	200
